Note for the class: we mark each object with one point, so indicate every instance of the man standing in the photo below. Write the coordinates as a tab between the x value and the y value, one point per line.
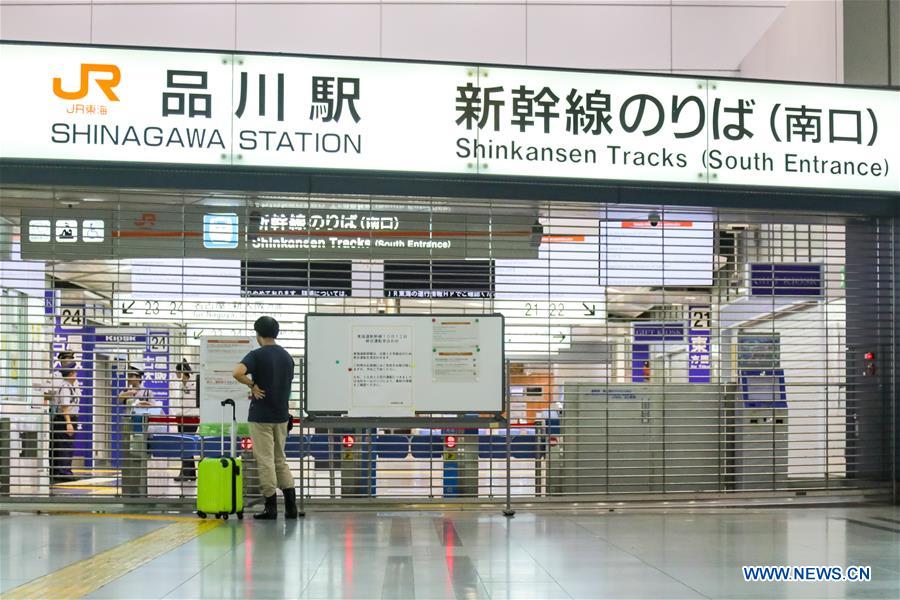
268	371
187	390
65	407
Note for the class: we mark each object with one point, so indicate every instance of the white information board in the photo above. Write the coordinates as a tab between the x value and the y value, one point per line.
218	356
399	365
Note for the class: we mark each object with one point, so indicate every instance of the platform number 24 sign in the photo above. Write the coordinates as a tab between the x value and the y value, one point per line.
71	317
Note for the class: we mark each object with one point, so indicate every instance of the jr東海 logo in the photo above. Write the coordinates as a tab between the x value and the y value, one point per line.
106	83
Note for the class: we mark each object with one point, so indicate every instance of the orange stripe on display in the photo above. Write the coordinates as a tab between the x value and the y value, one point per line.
155	234
646	224
558	238
424	234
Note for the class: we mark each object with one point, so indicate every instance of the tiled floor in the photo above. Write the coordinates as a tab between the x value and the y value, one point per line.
400	554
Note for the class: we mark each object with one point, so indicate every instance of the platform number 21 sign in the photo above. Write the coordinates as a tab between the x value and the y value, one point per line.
700	318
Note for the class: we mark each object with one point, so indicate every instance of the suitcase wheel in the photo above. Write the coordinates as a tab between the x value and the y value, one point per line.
201	514
224	517
240	516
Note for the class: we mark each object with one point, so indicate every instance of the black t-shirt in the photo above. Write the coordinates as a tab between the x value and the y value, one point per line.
272	369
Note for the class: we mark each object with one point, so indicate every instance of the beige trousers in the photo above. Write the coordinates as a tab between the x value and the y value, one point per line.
268	450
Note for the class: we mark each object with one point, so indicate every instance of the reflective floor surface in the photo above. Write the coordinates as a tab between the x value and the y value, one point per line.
412	554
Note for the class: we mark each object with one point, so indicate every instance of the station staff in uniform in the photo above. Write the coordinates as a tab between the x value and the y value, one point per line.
141	399
64	360
187	392
64	409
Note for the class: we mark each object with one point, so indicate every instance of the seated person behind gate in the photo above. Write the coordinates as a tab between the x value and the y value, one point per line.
142	400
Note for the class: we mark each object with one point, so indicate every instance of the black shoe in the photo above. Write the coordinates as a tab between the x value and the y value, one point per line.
290	503
270	511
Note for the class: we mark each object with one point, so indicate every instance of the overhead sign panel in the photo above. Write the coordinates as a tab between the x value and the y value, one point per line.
259	233
220	108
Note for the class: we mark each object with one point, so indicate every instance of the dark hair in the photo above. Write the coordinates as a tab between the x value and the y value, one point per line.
183	367
266	327
135	372
66	372
65	355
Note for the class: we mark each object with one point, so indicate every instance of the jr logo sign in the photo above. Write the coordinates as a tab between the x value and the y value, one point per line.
105	83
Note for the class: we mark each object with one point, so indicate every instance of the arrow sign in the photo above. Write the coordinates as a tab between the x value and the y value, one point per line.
562	337
591	310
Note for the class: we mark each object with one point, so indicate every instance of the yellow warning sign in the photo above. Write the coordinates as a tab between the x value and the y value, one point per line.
347	455
450	456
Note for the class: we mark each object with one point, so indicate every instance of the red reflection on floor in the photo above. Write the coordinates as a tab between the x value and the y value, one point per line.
348	553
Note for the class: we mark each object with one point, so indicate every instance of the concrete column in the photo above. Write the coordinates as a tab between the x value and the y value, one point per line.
872	42
872	57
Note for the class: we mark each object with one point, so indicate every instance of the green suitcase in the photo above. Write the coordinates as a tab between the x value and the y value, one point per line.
220	480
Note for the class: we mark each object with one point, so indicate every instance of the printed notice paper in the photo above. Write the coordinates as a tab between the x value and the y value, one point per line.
382	371
218	356
455	350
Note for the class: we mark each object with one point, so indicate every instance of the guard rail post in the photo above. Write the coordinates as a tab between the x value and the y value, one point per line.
134	457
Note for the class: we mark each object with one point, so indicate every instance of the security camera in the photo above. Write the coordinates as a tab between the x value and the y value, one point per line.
653	218
537	234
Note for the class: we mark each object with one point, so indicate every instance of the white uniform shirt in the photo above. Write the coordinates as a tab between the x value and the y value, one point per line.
65	397
55	382
187	398
146	395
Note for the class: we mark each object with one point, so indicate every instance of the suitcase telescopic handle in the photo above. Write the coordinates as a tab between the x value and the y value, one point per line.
233	439
225	403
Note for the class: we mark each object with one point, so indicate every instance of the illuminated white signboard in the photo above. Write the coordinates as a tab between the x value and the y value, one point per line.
219	108
173	278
